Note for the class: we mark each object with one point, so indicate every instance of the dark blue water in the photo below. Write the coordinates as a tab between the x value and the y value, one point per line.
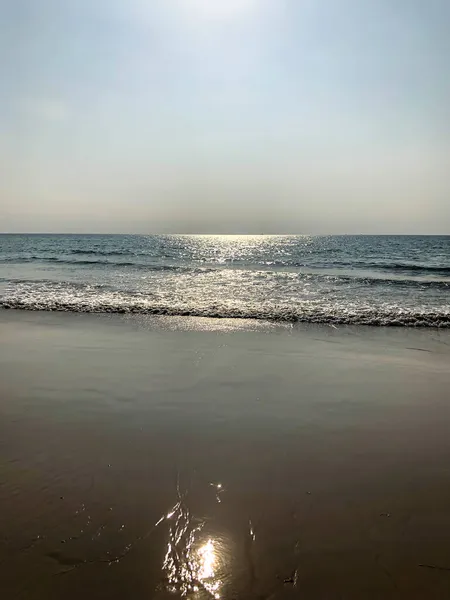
372	280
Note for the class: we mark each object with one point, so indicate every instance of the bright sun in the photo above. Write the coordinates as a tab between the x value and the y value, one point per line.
219	9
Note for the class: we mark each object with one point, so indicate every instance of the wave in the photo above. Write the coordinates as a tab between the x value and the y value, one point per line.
108	263
66	261
139	261
407	267
103	252
331	316
369	266
337	280
408	283
84	263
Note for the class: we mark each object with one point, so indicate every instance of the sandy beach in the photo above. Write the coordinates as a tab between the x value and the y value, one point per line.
146	457
225	300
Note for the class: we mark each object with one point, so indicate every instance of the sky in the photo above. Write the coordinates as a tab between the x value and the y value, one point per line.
236	116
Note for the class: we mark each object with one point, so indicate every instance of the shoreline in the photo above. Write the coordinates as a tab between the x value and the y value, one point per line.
417	321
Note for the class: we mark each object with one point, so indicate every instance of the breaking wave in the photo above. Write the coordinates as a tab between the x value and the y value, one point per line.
330	315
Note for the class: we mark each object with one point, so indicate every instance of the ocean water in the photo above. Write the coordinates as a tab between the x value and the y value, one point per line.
370	280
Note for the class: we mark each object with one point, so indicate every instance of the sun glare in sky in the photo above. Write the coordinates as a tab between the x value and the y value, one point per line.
219	9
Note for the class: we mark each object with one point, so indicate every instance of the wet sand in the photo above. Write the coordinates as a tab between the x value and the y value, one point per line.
152	457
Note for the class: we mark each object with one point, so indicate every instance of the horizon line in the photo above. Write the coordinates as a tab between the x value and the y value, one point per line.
92	233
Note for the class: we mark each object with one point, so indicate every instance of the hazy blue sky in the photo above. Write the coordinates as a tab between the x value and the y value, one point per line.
236	116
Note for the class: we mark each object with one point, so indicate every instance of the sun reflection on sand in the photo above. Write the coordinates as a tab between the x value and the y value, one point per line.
192	563
194	568
208	562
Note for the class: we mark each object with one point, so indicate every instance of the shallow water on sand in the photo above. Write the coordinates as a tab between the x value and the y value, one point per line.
168	458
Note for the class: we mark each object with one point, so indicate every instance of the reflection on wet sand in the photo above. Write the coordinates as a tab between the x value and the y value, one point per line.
193	563
306	469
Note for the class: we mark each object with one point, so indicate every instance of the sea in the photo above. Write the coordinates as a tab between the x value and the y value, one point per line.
368	280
